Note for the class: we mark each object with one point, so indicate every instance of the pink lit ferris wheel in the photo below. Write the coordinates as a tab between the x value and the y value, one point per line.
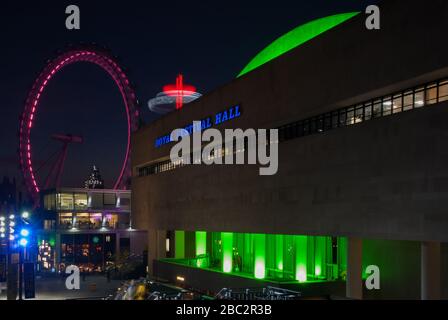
79	54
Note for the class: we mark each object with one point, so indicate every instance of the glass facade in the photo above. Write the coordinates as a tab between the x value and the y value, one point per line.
266	256
79	201
86	211
92	220
91	252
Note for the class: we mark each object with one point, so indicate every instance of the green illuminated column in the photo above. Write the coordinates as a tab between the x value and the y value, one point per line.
279	252
201	242
260	255
179	244
342	255
319	267
301	258
227	251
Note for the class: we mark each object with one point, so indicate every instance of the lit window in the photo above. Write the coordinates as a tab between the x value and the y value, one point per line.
377	108
387	106
350	116
80	200
419	98
397	104
431	94
368	111
408	100
65	201
359	114
443	91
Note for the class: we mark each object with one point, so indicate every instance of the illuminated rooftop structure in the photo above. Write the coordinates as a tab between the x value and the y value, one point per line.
173	97
295	38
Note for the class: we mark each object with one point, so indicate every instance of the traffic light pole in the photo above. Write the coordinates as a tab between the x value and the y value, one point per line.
20	272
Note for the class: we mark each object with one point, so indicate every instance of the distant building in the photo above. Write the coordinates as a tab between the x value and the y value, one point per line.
94	181
88	228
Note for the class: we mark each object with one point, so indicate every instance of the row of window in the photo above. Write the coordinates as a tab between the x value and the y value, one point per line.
406	100
380	107
81	201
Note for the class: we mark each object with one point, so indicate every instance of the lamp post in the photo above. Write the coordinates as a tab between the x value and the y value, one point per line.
16	244
23	243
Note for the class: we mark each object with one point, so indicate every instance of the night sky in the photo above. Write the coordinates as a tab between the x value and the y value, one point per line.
208	41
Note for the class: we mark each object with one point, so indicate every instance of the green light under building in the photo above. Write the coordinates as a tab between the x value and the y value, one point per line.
227	251
284	258
319	256
301	258
279	251
179	242
260	256
295	38
201	242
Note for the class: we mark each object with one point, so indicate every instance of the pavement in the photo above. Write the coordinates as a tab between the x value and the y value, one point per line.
53	288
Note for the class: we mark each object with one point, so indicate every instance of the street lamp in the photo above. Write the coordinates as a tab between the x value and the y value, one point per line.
23	242
24	233
25	215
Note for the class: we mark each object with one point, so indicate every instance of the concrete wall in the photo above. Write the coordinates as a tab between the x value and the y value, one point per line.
384	179
399	263
345	65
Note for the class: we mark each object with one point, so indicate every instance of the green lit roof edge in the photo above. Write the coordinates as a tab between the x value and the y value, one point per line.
295	38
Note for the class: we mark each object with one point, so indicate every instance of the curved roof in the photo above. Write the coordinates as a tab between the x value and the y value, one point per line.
295	38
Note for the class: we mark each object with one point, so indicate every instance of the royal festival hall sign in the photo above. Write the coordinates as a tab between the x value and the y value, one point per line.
219	118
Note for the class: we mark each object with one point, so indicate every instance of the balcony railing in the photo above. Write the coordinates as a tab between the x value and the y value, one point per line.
92	226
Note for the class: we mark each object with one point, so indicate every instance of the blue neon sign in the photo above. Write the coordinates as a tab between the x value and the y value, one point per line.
219	118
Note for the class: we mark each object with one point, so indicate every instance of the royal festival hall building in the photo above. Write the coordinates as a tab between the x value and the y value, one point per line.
363	166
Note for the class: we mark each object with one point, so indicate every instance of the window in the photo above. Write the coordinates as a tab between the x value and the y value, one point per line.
97	200
300	129
109	199
327	121
368	111
50	201
306	127
397	104
124	201
313	126
419	98
443	91
65	201
281	134
342	117
320	124
359	114
408	100
387	106
65	220
350	116
334	119
82	221
110	221
377	108
96	220
288	130
431	94
80	201
49	225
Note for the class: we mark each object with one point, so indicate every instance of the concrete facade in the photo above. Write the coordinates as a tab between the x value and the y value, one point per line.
384	179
